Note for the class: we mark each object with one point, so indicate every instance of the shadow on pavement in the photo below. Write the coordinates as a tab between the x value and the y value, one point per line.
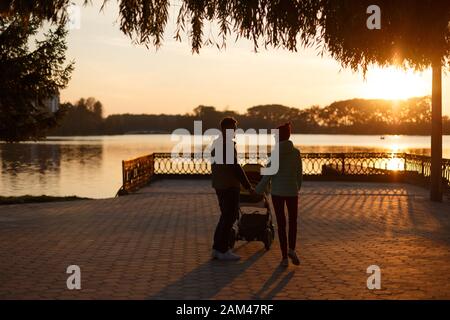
264	293
213	275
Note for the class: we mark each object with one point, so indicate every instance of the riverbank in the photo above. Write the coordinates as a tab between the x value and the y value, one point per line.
37	199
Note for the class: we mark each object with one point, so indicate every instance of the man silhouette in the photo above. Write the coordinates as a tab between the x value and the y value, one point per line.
227	176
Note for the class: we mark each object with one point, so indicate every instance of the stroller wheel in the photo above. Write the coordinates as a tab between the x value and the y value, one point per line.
268	238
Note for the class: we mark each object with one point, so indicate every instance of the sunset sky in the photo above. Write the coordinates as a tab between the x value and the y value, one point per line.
129	78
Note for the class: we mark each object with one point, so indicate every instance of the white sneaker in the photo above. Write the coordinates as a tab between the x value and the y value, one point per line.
227	256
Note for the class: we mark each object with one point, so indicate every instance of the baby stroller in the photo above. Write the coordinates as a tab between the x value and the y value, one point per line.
255	217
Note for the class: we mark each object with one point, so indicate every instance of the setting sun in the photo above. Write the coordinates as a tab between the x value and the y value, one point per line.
396	84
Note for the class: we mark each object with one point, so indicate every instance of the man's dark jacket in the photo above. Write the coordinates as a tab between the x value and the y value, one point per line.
225	176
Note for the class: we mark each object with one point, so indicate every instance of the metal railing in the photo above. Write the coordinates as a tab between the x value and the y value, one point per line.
422	166
136	173
140	171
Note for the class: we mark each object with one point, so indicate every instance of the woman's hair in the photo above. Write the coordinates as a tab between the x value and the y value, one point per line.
228	123
284	131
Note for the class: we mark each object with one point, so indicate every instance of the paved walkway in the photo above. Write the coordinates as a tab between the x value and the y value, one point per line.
156	245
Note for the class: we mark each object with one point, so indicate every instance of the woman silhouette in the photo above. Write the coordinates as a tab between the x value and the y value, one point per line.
285	185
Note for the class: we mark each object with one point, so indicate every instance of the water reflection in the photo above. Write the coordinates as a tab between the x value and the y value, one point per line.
17	158
56	169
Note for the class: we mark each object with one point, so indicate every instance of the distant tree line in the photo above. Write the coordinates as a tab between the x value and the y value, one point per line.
356	116
85	117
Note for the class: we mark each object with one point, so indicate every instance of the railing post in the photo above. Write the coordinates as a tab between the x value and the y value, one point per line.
152	160
343	164
123	174
405	159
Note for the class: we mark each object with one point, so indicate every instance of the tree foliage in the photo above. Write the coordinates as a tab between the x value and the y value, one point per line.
52	10
413	32
85	117
30	74
283	23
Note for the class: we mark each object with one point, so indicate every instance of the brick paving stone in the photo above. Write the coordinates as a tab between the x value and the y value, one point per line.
156	244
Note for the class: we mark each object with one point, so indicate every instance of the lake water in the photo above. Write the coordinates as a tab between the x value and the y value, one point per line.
91	166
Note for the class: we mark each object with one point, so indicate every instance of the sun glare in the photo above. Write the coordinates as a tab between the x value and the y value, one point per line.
395	148
396	84
395	164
